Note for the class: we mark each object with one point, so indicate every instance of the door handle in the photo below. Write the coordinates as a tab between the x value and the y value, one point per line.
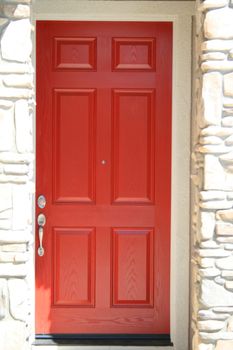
41	220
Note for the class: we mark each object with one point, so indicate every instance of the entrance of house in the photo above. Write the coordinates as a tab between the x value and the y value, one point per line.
103	167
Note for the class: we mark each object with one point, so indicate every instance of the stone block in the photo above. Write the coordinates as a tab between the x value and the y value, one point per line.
209	244
6	104
215	205
224	229
219	280
5	197
16	42
213	149
13	335
14	158
209	314
7	129
14	247
230	324
212	4
218	24
224	345
227	274
210	140
13	257
14	236
13	93
228	240
18	299
22	80
13	270
13	179
212	195
22	122
16	169
205	346
228	84
214	336
225	263
213	56
215	253
212	98
229	285
210	272
215	176
229	141
217	131
213	295
228	246
207	262
223	309
231	54
207	225
228	102
225	215
213	173
3	298
6	214
227	121
20	207
217	45
210	325
223	66
15	68
5	224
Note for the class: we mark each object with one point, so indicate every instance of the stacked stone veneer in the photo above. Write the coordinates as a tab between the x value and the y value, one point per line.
212	175
16	157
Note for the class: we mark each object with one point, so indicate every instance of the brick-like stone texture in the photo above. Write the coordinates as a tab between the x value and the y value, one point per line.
212	174
16	158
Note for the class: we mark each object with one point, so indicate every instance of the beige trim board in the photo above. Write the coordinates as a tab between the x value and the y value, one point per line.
102	10
180	13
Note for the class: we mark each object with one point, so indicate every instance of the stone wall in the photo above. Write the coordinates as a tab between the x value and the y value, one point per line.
212	175
16	175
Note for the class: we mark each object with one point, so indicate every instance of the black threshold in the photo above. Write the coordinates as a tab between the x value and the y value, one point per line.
104	339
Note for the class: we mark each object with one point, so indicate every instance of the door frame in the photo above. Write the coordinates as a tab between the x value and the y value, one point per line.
180	14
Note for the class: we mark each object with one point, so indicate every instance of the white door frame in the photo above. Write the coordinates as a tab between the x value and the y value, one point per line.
180	13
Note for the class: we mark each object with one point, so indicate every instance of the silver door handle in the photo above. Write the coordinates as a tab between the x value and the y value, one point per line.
41	220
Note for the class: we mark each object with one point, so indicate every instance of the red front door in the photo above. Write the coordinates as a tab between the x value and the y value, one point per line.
103	164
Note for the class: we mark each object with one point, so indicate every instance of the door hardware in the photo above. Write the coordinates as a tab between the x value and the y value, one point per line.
41	201
41	220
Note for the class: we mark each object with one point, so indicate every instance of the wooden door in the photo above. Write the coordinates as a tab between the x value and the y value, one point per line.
103	164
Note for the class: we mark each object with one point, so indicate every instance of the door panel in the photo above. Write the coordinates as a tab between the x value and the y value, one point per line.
133	148
132	251
103	164
74	145
74	269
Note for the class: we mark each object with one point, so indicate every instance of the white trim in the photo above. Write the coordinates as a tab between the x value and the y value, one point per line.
99	10
180	13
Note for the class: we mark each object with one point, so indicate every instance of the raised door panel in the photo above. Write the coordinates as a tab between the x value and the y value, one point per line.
74	267
74	53
133	146
74	129
132	267
137	54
